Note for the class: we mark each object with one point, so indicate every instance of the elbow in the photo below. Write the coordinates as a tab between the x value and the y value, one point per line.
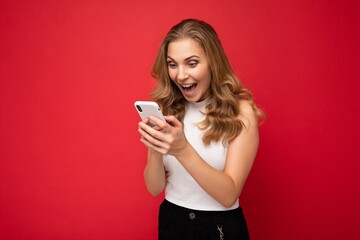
154	186
230	200
228	203
154	192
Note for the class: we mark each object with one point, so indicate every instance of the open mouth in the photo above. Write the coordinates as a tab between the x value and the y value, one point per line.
189	87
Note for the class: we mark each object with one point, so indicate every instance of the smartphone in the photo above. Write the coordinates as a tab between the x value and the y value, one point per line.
148	108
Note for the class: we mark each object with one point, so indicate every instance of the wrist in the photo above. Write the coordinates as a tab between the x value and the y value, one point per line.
184	152
152	154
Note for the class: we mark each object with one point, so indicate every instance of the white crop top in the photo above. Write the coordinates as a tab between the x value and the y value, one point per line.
181	189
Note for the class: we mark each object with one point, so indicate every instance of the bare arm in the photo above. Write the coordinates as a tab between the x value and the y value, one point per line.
154	172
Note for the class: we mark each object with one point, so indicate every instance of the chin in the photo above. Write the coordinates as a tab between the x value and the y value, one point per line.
192	99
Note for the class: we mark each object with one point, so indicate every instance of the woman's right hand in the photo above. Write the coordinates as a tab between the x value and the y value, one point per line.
167	138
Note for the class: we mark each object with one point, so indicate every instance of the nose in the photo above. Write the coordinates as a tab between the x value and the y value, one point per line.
182	74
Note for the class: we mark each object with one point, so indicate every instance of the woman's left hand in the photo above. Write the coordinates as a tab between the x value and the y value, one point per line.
167	137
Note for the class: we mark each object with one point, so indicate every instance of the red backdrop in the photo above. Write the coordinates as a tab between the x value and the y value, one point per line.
71	162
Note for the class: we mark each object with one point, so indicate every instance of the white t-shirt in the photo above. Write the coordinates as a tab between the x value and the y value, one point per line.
181	189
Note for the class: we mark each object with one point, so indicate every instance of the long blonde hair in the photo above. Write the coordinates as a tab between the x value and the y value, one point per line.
221	122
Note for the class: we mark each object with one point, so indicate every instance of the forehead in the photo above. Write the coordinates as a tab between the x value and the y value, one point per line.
183	48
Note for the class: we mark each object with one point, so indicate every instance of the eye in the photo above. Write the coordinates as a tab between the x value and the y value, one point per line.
171	65
193	64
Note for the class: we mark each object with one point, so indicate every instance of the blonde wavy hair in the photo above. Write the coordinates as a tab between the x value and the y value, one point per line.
221	122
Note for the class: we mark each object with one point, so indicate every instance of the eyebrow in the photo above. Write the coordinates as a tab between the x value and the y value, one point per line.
186	59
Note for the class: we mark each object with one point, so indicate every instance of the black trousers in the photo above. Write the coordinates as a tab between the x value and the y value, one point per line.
179	223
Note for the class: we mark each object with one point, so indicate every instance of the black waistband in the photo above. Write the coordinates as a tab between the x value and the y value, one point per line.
199	213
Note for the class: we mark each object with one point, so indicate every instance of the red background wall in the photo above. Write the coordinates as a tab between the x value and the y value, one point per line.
71	161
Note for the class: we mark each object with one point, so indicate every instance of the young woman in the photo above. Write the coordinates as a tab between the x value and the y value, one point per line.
205	150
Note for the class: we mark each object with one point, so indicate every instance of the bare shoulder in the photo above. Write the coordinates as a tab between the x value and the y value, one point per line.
247	114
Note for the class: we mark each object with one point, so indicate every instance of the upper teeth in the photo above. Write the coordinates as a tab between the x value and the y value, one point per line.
187	85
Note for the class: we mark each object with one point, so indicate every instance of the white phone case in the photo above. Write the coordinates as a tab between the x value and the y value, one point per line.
148	108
